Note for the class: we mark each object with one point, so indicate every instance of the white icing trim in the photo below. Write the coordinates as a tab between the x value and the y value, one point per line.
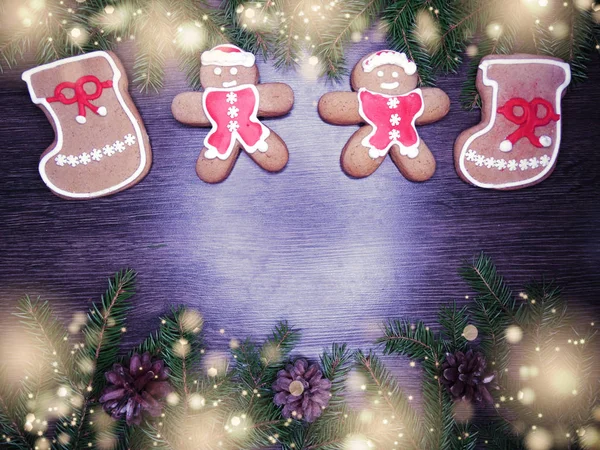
216	57
86	158
511	165
384	57
374	153
59	132
261	145
494	84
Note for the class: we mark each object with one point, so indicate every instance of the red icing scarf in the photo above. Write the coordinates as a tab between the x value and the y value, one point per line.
232	113
393	120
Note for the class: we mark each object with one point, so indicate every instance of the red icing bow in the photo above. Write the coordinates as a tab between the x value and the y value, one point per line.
528	121
82	98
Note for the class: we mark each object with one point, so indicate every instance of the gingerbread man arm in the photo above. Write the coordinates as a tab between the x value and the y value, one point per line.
340	108
437	105
276	99
187	108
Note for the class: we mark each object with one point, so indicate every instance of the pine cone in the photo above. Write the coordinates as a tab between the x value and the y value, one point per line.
136	389
465	377
302	391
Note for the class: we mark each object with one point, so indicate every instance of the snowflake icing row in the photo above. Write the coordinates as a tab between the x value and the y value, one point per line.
96	154
511	165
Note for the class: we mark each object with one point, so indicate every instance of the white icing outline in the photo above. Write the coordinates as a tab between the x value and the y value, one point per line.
383	57
26	76
261	145
412	151
494	85
216	57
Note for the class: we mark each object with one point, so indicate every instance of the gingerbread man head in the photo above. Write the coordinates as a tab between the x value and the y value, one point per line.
386	72
227	66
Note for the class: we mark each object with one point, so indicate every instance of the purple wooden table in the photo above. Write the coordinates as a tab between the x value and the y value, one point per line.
332	254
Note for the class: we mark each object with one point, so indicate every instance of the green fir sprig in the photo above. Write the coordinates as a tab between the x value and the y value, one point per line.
221	402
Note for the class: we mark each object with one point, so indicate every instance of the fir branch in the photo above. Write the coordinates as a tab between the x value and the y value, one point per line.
382	384
492	325
102	339
353	15
413	340
258	40
459	23
400	18
579	42
483	278
180	345
453	322
103	329
52	337
12	434
336	366
464	437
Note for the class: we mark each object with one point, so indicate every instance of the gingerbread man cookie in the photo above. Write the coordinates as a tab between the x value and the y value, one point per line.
517	142
391	106
230	104
101	146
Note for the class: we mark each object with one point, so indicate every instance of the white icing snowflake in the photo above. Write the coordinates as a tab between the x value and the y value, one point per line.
523	164
233	126
233	112
534	163
108	150
480	160
129	139
231	98
119	146
393	103
394	135
512	165
544	160
72	160
395	120
84	158
490	162
501	164
471	155
61	160
96	154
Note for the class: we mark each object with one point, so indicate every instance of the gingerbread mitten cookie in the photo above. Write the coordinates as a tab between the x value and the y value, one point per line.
101	146
517	142
231	103
391	106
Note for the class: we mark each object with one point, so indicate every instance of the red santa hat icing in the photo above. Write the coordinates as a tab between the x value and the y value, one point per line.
384	57
227	55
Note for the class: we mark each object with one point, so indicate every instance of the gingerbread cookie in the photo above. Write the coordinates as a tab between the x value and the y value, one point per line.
100	146
516	144
230	104
388	102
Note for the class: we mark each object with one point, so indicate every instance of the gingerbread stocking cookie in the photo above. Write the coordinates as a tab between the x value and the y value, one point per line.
517	142
101	146
231	103
391	106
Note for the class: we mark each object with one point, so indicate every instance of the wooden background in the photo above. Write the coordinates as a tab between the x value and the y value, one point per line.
333	255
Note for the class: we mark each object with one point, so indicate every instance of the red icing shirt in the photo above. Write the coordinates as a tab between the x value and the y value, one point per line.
232	113
393	120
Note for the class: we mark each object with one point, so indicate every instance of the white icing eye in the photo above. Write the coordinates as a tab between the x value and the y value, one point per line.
395	74
380	73
218	71
233	71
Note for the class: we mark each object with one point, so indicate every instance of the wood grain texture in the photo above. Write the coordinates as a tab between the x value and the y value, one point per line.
332	254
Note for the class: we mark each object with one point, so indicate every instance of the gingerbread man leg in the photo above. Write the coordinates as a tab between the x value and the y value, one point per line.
420	168
216	170
275	158
355	158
